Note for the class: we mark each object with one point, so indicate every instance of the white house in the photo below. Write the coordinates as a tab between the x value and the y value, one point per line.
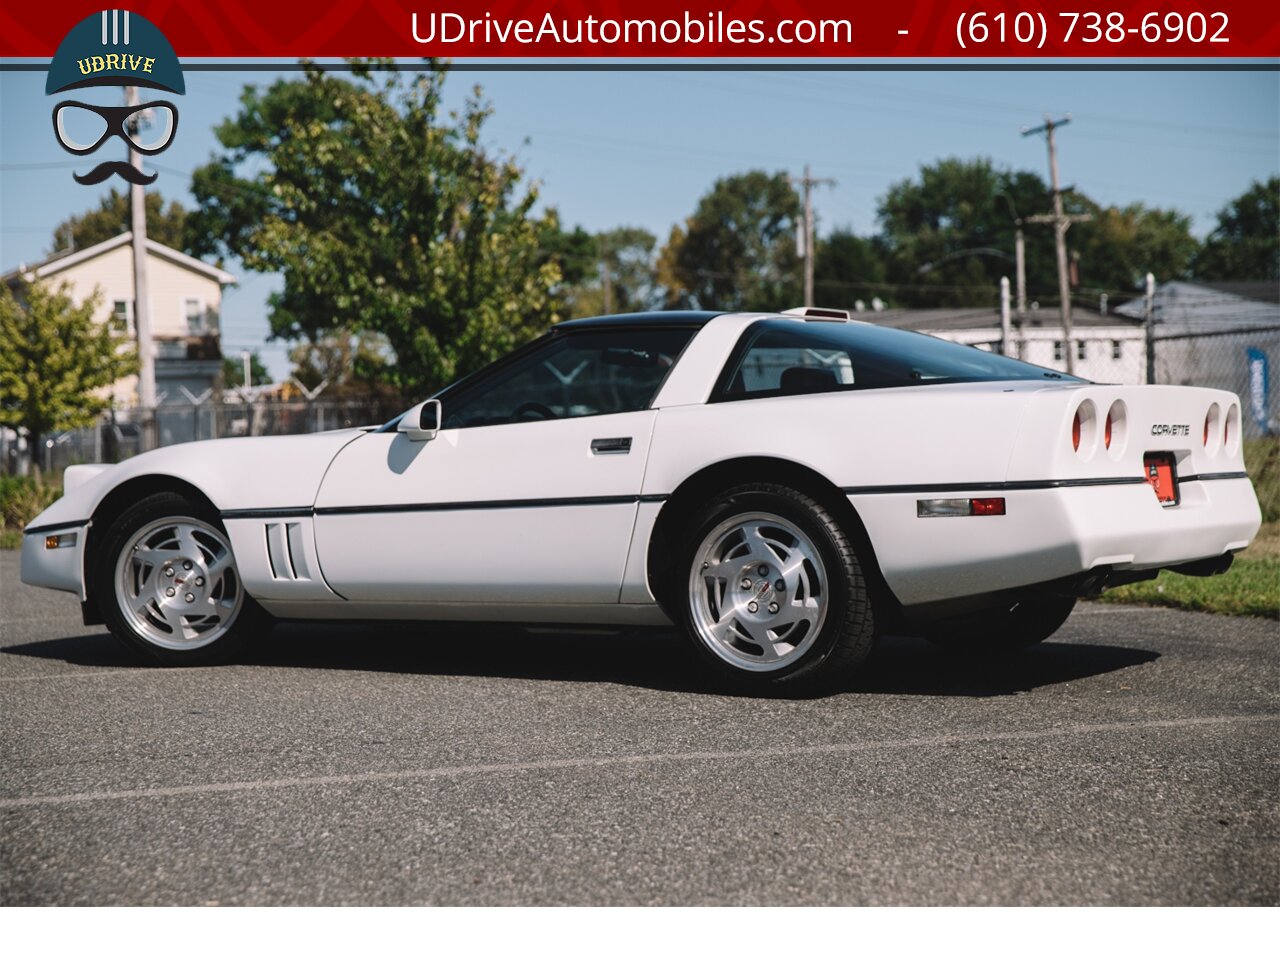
186	305
1105	347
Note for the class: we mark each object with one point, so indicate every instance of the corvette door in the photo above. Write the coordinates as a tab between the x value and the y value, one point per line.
528	493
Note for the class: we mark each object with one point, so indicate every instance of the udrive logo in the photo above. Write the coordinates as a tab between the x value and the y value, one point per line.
115	48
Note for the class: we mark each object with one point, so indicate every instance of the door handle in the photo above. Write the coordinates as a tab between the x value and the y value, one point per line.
611	445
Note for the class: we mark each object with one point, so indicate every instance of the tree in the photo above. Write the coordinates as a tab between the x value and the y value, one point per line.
620	277
1122	244
1245	245
939	230
847	268
948	237
55	360
737	251
233	371
384	217
347	363
165	224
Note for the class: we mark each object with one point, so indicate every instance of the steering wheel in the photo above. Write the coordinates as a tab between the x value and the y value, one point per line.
532	406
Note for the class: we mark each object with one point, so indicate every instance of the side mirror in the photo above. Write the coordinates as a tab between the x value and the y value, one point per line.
421	422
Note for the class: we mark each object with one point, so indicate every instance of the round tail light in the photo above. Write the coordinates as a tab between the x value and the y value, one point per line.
1075	432
1106	432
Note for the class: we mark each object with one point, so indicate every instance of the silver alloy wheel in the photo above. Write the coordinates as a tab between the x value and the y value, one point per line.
177	585
758	592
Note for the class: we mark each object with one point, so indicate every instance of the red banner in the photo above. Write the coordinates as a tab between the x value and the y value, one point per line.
730	29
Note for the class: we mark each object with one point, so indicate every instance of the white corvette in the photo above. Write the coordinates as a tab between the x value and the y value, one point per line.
784	487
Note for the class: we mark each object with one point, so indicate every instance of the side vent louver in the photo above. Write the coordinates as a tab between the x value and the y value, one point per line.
286	553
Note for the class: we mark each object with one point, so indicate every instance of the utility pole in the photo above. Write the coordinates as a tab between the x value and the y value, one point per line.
141	307
1006	328
246	358
1020	267
1149	325
808	182
607	278
1061	223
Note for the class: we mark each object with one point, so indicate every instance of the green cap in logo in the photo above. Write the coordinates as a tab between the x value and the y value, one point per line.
115	48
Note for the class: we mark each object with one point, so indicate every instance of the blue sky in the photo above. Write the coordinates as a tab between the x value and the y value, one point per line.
613	148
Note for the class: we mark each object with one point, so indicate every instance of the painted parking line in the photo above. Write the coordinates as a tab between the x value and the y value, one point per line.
701	756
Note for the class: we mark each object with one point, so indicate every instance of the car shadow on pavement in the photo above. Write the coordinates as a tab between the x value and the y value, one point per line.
902	666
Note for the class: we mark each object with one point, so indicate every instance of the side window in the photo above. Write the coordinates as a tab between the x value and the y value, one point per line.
576	375
779	358
793	369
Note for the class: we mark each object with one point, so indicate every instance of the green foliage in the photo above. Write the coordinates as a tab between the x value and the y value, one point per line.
233	371
737	251
1262	460
55	361
383	217
351	363
21	500
620	277
847	268
1122	244
1250	588
929	222
1245	245
165	224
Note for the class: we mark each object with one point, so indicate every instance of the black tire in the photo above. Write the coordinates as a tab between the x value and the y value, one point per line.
847	633
248	621
1030	620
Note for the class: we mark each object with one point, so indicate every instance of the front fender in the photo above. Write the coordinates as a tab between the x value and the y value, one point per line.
236	473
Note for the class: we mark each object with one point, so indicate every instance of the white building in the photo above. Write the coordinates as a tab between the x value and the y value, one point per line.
1106	347
186	305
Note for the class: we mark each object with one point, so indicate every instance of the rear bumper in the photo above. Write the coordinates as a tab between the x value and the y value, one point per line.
1049	534
61	568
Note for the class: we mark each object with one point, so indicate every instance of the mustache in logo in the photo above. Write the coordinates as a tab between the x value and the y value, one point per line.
118	167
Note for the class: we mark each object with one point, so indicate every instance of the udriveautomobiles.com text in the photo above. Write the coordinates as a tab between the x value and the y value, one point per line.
709	28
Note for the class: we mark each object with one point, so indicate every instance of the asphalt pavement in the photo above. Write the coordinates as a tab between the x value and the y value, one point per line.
1132	760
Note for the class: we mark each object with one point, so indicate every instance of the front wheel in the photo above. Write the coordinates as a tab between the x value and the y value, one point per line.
168	586
775	596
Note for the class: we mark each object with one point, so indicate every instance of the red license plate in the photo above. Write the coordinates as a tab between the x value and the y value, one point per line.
1163	477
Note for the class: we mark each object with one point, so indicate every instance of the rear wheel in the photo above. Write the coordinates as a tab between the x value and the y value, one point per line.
1024	623
168	586
775	597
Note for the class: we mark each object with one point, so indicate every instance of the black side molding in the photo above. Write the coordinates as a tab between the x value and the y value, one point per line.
996	485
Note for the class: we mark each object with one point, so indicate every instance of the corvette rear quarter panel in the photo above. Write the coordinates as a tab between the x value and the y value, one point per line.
964	433
943	440
861	438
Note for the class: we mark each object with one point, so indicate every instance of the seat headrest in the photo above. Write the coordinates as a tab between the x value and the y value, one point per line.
807	380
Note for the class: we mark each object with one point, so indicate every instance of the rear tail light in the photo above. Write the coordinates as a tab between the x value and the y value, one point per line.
1115	430
977	507
1231	434
1086	430
1212	436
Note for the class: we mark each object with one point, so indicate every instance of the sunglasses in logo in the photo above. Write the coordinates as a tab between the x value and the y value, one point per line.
83	127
